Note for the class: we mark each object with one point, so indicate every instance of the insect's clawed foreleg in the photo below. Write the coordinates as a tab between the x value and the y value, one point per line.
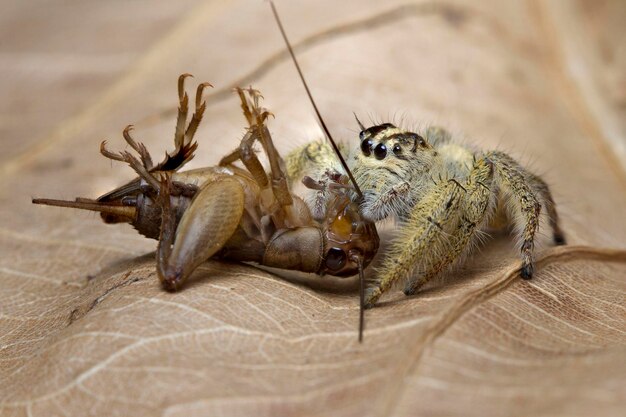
183	109
139	147
138	166
183	139
200	107
184	146
330	182
256	117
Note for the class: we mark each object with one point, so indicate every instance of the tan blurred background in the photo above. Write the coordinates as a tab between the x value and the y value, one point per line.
84	326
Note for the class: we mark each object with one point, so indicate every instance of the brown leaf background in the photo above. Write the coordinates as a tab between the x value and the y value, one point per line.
85	328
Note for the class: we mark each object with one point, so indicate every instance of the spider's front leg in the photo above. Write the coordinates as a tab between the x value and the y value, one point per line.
437	231
422	237
313	159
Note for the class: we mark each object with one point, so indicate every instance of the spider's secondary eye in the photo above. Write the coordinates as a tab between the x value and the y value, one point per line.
397	149
362	135
366	147
335	259
418	142
380	151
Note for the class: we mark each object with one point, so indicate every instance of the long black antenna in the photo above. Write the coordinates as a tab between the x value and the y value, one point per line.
317	112
361	299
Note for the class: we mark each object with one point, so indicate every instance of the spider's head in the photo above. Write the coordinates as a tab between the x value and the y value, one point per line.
389	164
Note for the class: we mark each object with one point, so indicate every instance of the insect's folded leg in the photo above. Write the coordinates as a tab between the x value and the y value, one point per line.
208	223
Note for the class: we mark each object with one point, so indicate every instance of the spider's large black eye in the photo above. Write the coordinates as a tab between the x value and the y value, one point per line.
380	151
397	149
366	147
335	259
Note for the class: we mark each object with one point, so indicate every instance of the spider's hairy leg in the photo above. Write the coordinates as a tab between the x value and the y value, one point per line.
474	207
542	190
423	240
526	195
313	158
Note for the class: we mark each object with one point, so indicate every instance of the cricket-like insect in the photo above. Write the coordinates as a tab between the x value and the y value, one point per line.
232	213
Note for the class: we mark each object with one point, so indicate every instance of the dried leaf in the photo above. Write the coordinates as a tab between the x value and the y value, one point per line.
87	330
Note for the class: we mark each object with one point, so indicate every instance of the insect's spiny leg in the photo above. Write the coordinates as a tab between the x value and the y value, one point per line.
245	107
141	170
197	115
245	153
108	154
133	162
146	159
257	116
183	109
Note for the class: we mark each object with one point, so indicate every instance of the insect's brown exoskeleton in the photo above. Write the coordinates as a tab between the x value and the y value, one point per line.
241	213
443	196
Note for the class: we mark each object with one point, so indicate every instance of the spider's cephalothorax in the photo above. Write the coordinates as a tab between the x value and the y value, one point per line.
390	166
443	195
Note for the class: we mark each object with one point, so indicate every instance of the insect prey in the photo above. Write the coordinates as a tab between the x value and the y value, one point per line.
229	212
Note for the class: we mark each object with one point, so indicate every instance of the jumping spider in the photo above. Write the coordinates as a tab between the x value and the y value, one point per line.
443	195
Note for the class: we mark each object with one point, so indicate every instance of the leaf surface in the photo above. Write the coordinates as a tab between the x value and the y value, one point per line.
85	328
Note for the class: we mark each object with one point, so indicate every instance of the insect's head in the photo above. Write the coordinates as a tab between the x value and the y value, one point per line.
350	242
357	257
